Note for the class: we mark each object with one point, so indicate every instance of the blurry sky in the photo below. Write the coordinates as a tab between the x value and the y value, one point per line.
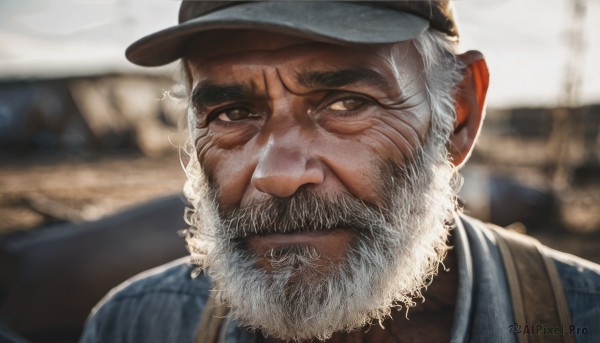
525	41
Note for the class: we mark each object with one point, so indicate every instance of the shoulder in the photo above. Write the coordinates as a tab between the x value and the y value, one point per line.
163	304
576	273
580	281
172	278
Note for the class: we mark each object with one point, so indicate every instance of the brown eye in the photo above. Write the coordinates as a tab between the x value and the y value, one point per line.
236	114
350	104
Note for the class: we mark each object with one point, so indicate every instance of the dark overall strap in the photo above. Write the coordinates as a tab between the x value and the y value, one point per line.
210	321
535	287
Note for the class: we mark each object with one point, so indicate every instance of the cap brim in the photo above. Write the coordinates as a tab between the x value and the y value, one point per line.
335	22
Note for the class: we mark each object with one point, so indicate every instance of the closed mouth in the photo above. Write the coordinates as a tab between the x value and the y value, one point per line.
267	232
294	237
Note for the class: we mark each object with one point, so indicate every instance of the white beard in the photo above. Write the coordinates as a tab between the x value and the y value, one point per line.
394	255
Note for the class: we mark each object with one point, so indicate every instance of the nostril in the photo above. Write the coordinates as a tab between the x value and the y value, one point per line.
276	185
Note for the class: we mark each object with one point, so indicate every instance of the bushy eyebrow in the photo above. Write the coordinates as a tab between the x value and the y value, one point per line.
340	78
208	93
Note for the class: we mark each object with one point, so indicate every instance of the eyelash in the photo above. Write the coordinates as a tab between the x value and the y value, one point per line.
352	96
214	114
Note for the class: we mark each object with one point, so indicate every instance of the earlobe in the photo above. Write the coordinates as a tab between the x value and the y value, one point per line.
470	106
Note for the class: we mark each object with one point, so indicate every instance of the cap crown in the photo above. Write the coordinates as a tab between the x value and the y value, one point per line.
439	13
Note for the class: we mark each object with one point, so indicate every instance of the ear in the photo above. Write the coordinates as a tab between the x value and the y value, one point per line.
470	106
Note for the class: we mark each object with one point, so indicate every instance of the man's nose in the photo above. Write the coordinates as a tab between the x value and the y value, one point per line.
283	168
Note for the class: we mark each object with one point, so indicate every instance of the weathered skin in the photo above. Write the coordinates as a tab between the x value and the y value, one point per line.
286	132
297	138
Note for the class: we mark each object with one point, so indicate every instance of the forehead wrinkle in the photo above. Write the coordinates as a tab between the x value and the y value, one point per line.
285	86
344	77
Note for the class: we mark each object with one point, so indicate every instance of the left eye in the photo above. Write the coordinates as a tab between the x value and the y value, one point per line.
349	104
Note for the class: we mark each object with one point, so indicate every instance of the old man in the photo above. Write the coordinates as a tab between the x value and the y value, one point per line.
324	143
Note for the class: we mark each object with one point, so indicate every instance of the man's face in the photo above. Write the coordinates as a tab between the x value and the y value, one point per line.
285	113
317	159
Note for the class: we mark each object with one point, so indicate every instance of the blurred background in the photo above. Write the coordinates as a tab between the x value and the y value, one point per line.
89	167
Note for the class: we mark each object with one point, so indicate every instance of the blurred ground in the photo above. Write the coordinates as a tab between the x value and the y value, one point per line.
82	189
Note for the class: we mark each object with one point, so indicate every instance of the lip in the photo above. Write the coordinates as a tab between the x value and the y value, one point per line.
294	237
332	244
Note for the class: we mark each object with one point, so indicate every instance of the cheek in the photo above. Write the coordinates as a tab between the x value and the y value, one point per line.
397	135
352	167
228	169
357	161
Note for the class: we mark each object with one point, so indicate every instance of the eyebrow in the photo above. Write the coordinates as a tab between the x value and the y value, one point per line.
340	78
208	93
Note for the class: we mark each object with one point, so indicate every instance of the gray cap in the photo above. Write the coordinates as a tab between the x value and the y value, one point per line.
337	22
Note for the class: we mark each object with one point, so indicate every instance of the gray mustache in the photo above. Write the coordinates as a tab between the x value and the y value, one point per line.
302	212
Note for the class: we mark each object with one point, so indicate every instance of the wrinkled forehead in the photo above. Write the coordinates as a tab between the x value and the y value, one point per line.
217	50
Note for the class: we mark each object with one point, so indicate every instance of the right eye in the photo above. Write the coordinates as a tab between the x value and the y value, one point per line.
236	114
347	105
